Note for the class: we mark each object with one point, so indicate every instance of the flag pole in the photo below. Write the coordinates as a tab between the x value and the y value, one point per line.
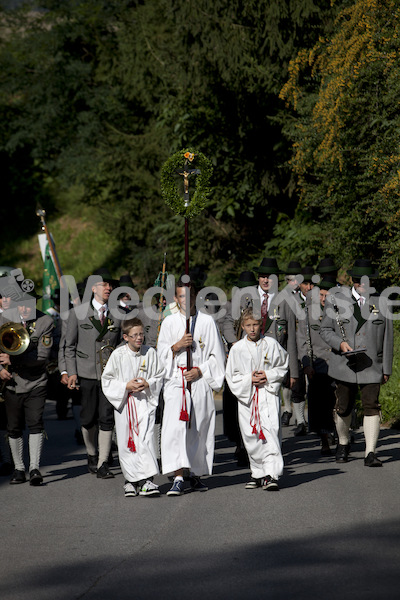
41	213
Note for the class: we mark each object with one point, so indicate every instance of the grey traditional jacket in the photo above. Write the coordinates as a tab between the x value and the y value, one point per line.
85	342
374	333
29	368
281	325
312	349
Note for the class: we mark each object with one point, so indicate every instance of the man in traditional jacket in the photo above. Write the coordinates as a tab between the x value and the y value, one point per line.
25	378
88	343
361	339
314	355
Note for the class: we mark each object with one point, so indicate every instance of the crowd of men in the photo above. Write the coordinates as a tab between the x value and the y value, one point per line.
300	338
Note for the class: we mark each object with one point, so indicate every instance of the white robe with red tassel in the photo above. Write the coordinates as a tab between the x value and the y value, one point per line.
184	446
134	416
259	412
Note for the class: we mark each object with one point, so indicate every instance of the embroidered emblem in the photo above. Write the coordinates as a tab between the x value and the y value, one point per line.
201	343
46	340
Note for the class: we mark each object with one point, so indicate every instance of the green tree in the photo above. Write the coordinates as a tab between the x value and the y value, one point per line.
346	155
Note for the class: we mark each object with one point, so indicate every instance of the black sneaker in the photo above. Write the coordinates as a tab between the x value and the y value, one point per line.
253	484
270	484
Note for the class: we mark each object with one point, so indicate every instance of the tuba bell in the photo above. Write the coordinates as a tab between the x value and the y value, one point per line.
14	340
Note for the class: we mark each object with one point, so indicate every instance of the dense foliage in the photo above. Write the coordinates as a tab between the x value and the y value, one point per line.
99	94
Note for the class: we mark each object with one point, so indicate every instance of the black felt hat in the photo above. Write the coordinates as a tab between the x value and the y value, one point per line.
106	276
328	282
268	266
293	268
361	267
246	279
126	281
326	265
307	273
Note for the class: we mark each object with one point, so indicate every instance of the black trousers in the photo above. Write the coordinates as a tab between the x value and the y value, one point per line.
299	387
95	406
25	409
346	393
321	402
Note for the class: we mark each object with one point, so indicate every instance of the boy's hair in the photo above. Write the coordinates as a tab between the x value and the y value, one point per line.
126	326
248	314
191	286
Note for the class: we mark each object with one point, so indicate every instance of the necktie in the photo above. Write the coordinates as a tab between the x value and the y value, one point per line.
264	307
102	314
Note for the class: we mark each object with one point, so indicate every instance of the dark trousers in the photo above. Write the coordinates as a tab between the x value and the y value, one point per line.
230	416
95	406
24	409
299	387
346	393
321	401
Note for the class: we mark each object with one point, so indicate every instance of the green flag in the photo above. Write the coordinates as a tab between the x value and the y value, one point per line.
50	280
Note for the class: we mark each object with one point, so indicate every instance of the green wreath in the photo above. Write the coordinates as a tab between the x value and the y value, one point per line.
177	162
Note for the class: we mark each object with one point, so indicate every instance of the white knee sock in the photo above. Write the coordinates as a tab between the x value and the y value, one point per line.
286	395
104	446
298	411
35	450
17	452
371	433
342	428
89	437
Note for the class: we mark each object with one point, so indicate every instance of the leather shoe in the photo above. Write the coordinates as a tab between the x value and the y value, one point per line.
18	477
372	460
35	477
285	420
300	430
104	472
342	453
92	464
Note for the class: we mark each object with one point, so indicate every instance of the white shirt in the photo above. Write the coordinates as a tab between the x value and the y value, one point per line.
97	306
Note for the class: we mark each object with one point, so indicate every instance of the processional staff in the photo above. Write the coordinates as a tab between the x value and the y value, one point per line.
179	164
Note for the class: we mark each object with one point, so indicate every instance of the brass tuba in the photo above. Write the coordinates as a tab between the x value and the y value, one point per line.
104	354
14	340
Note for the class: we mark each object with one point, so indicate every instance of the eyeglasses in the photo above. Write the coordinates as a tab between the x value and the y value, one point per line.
135	336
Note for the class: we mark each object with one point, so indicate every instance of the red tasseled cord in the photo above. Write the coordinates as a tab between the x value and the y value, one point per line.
184	416
255	419
131	424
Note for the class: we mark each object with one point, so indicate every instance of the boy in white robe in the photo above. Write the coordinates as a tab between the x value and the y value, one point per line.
131	382
187	435
255	370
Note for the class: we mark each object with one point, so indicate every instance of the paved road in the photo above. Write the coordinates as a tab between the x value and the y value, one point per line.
331	533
